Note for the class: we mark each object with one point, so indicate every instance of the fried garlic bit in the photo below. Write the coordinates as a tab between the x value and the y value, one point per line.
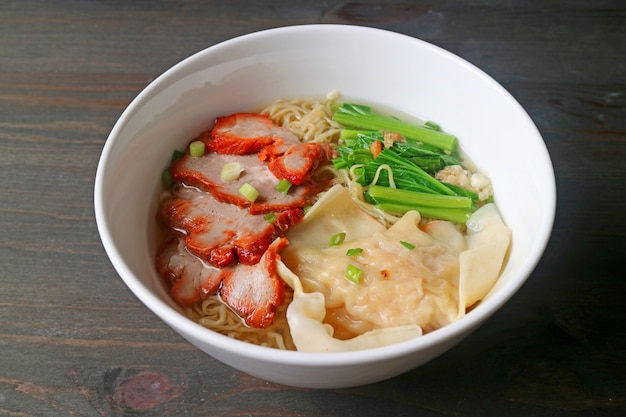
389	138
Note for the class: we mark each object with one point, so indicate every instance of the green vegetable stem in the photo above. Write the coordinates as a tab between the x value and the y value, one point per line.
401	176
362	117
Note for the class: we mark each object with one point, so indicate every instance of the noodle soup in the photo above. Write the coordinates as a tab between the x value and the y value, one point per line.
348	263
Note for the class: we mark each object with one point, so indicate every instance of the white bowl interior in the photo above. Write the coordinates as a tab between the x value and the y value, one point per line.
243	74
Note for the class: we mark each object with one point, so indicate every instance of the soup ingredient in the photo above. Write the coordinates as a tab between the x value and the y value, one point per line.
354	251
410	274
362	117
353	273
205	174
254	291
226	212
190	279
283	186
249	192
295	161
196	148
436	206
231	171
337	239
404	175
243	133
251	133
222	234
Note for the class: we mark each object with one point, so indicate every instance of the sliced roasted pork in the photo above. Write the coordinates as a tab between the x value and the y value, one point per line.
254	291
249	133
223	242
295	161
204	173
244	133
221	233
190	279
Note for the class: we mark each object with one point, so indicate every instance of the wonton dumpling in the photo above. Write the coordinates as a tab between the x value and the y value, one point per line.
324	220
403	291
399	286
306	314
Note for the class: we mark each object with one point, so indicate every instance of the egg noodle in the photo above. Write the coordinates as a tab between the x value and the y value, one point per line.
214	314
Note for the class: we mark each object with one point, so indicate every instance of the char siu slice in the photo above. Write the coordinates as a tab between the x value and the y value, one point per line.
295	161
254	291
204	173
244	133
190	279
221	233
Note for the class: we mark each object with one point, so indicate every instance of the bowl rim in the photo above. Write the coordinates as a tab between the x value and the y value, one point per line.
180	322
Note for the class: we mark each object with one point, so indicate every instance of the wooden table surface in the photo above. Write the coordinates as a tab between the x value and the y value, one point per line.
75	342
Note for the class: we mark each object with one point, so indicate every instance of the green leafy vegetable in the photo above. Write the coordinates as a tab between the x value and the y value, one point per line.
452	214
362	117
401	177
166	176
177	154
395	195
166	179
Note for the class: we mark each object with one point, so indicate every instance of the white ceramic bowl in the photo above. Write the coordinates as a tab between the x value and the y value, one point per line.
365	65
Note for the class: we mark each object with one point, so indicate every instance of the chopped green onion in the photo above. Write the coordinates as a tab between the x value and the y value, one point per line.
231	171
283	186
407	245
196	148
337	239
270	217
354	252
353	274
249	192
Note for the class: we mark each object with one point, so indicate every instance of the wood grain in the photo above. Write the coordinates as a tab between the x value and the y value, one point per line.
75	342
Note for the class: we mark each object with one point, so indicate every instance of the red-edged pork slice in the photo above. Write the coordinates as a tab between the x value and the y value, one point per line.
204	173
220	233
297	161
255	291
244	133
190	279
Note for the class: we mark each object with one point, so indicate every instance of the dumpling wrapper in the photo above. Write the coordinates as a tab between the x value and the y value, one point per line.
305	316
323	220
308	310
488	241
